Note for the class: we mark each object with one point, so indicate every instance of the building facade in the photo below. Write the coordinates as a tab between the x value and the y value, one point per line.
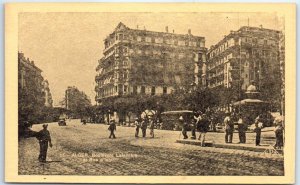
48	95
33	92
147	62
30	79
246	55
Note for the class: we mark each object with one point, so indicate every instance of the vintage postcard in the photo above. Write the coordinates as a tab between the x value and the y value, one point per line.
150	93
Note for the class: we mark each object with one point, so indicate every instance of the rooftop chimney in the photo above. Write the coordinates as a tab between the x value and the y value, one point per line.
137	26
190	31
173	31
144	27
261	26
167	29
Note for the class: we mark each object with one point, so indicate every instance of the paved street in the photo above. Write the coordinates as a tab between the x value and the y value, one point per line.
86	150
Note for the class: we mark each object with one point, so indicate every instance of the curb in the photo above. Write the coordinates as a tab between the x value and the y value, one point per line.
229	146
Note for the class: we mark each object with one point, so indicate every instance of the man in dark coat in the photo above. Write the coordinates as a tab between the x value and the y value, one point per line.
112	128
184	127
257	130
144	125
44	138
137	127
242	128
229	128
203	127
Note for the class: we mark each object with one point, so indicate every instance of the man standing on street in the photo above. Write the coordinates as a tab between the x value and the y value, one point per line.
229	127
137	127
44	138
144	125
242	127
184	127
151	126
257	130
112	128
203	127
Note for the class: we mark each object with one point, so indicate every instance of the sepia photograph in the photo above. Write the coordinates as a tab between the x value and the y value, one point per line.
172	91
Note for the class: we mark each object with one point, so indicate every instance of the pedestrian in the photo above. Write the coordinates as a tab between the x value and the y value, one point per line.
193	129
144	125
257	130
151	126
229	128
242	127
137	127
279	135
203	127
44	139
184	127
112	128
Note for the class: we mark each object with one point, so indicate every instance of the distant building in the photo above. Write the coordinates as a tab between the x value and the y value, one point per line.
48	96
146	62
249	54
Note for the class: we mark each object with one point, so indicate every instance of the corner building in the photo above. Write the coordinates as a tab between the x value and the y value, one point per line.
249	54
147	62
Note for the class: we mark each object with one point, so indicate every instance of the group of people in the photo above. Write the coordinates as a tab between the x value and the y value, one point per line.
143	125
199	123
139	124
202	123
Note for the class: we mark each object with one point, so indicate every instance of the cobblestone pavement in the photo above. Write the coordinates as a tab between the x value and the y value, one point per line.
86	150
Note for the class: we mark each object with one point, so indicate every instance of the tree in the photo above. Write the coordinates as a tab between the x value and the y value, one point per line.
77	102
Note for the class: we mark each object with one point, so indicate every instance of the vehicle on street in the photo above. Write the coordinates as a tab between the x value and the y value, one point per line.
62	122
170	119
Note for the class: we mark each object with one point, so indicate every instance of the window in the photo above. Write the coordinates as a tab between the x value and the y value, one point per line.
125	88
181	55
134	89
202	44
116	88
158	40
265	42
152	90
165	90
143	90
181	43
148	39
139	39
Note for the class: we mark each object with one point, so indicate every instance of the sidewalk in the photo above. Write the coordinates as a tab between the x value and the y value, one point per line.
237	146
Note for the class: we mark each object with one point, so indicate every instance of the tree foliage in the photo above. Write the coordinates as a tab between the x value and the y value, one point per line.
78	102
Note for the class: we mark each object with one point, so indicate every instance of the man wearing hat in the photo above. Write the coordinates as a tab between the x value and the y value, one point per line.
279	134
144	125
137	127
44	138
229	127
112	128
257	130
184	127
242	127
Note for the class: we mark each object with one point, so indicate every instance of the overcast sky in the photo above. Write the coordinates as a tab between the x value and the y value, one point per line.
67	46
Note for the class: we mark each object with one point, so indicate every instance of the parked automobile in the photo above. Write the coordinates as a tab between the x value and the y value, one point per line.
170	119
62	122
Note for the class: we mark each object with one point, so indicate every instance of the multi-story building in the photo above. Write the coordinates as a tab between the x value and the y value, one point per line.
48	95
146	62
29	74
249	54
30	79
